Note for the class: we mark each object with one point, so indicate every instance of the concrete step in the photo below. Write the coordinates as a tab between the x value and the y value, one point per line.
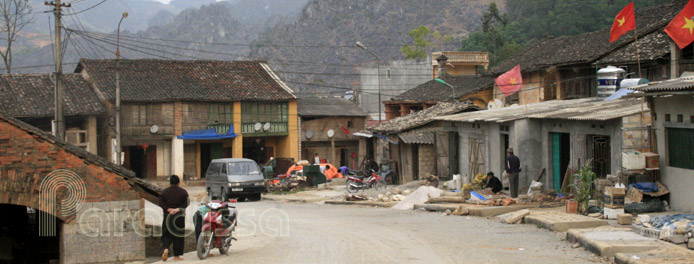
561	222
363	203
659	255
609	240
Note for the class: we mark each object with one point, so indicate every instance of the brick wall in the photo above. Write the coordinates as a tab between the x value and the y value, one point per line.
26	160
427	160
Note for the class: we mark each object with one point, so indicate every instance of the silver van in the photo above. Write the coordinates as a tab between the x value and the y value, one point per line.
226	178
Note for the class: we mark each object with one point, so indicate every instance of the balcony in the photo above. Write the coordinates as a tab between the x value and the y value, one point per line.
273	129
477	58
220	128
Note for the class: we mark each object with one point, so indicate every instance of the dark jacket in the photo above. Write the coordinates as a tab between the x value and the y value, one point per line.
512	164
495	184
173	197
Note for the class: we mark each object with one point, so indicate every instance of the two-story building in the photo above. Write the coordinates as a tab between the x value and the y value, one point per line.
30	98
242	108
324	122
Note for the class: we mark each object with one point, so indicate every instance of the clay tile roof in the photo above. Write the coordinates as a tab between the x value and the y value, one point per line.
32	95
149	190
152	80
435	91
587	47
331	106
423	117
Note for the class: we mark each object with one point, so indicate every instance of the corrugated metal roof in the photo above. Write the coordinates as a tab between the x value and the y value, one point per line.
417	137
679	84
578	109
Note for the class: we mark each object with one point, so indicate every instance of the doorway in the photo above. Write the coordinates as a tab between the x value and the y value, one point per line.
600	146
254	148
208	152
343	158
561	156
22	228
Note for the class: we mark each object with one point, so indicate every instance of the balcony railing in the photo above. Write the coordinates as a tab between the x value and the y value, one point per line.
462	56
220	128
274	129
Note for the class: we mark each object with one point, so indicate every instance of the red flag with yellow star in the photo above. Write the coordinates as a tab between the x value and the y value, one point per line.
681	28
510	82
623	22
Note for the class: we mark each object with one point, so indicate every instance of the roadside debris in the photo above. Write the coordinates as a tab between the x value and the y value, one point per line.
421	195
514	217
356	197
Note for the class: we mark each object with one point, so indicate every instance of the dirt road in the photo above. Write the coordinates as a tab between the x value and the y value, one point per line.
275	232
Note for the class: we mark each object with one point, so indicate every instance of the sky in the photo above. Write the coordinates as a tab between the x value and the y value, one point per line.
167	1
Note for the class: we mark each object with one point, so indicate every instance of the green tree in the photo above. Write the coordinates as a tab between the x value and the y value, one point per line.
422	38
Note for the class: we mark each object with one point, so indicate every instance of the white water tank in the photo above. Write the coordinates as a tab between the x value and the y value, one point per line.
608	80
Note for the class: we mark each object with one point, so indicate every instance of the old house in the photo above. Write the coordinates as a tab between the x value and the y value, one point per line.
558	68
550	136
179	115
65	204
460	84
423	146
29	97
323	121
671	104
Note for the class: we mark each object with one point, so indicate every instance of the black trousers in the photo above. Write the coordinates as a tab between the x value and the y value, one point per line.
173	231
197	220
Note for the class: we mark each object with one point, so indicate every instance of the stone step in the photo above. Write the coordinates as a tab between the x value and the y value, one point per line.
561	222
607	241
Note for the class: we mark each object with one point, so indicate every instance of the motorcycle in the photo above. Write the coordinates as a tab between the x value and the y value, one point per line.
356	182
218	225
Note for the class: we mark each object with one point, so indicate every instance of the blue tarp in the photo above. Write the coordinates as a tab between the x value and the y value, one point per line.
209	134
645	186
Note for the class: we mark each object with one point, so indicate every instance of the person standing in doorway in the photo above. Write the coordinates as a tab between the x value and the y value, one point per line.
316	159
173	200
513	169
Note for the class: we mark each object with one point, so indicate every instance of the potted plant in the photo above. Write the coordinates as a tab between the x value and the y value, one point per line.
582	183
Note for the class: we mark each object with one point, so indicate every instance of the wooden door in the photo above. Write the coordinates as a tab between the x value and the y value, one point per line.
151	156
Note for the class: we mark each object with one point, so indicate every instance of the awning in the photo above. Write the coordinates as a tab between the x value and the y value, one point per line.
360	134
417	137
385	138
208	134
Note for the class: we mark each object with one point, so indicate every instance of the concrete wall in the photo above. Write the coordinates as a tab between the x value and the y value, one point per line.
678	181
404	75
104	232
579	131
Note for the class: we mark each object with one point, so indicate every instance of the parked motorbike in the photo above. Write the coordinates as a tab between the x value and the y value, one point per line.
356	182
219	223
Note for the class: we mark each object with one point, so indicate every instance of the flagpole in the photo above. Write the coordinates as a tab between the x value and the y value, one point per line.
638	57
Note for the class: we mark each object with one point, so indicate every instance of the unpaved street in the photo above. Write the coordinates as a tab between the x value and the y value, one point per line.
312	233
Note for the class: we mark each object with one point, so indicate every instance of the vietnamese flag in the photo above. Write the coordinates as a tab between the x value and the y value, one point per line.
344	130
510	82
623	22
681	28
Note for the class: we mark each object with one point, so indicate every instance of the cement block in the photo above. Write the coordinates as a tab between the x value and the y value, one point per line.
496	210
690	244
677	238
561	222
624	219
608	241
673	254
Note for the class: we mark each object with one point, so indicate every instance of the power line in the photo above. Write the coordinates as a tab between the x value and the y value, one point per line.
86	9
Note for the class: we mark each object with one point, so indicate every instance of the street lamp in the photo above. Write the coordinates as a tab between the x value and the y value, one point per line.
452	88
378	67
118	136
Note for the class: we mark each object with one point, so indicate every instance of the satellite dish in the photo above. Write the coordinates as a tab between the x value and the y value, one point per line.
266	127
331	133
309	134
154	129
258	126
495	104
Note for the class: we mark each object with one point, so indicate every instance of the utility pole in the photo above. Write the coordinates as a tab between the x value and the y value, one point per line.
59	122
119	148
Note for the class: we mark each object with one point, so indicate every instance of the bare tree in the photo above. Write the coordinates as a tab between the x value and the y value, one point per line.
15	14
